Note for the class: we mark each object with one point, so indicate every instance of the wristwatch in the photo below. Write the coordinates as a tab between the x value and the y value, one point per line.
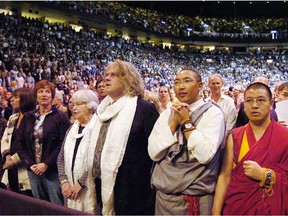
268	177
188	126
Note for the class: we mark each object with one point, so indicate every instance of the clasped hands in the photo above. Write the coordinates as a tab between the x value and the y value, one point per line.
69	191
181	115
39	168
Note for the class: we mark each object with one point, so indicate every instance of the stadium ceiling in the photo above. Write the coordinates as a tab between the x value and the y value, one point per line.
205	8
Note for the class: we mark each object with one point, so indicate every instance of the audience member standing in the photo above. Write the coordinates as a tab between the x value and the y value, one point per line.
30	80
17	180
122	167
253	179
164	98
100	88
75	160
41	134
58	102
226	103
242	118
186	145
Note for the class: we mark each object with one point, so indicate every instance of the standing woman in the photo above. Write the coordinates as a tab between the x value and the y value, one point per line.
75	160
164	97
41	134
22	101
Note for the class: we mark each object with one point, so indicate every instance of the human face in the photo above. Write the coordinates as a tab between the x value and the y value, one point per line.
163	94
44	96
114	87
257	105
205	94
236	92
70	105
15	102
8	95
187	87
172	94
81	112
101	89
283	95
215	84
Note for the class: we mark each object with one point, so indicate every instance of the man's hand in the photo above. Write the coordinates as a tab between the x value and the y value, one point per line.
253	170
39	168
181	114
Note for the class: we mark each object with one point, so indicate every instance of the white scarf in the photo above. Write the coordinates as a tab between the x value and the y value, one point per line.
86	145
122	113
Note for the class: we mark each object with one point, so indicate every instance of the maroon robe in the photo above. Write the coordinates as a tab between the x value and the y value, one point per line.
244	196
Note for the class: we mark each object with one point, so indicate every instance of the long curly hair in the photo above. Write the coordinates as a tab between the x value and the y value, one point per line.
129	76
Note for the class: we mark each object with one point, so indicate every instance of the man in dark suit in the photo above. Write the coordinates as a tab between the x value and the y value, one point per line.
121	162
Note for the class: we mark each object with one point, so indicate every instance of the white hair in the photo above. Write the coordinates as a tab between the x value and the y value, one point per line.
59	95
88	96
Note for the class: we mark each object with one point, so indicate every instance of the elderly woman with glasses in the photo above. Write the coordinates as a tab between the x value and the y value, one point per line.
75	160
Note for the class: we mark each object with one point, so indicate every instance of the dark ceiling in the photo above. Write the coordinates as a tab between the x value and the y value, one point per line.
218	8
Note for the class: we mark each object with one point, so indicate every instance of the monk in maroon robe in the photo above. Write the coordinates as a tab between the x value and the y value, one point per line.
255	183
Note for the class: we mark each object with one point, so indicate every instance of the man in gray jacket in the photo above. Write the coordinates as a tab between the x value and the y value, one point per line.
186	145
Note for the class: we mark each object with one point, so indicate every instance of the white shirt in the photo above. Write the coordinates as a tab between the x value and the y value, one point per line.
227	105
202	143
20	82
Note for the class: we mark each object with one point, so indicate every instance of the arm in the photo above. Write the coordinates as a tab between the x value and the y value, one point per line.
61	166
62	126
224	178
161	137
231	116
5	144
66	187
204	142
21	145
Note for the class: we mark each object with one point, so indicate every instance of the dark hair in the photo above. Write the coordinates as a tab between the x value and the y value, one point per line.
282	86
99	80
259	85
69	112
27	99
43	84
196	72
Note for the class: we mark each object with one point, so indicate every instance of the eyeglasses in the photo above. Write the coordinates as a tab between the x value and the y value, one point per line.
259	101
79	103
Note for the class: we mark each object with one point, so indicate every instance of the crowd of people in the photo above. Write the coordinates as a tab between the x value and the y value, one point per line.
176	24
78	58
84	127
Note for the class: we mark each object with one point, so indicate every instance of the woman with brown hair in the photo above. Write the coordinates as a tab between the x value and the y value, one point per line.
41	134
16	178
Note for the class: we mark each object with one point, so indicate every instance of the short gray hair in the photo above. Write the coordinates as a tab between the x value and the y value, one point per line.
88	96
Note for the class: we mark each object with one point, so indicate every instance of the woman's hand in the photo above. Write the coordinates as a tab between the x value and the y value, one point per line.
66	189
76	189
9	163
39	168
